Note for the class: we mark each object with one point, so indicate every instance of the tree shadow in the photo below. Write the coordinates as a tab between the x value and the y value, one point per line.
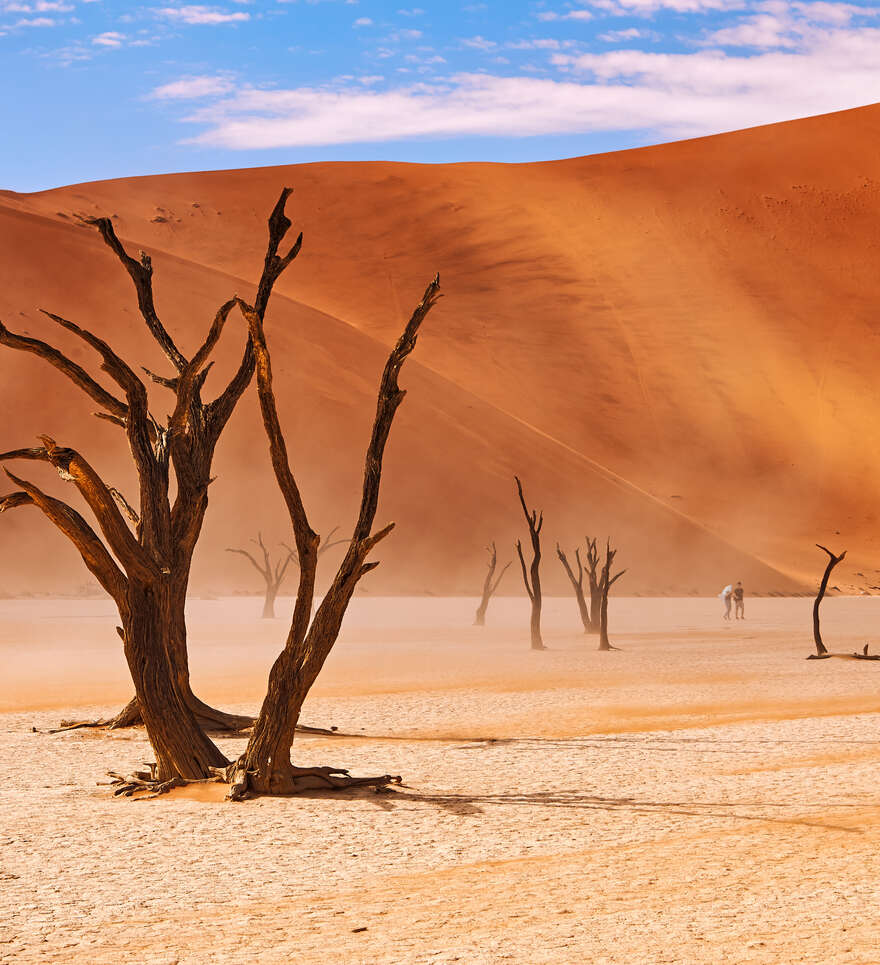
473	805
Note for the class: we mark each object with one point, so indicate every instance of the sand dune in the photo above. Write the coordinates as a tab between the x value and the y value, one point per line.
674	344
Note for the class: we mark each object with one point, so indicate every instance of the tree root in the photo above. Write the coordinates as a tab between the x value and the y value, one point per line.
295	780
243	784
210	719
844	656
128	786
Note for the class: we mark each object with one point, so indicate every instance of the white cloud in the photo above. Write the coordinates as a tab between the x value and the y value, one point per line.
39	6
647	7
193	88
675	95
478	43
614	36
110	38
198	14
363	22
571	15
763	30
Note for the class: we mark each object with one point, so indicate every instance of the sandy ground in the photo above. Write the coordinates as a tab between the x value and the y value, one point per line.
705	795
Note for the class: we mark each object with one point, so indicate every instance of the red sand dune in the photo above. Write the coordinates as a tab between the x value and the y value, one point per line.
676	345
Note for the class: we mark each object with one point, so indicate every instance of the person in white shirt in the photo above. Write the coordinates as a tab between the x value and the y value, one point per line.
726	596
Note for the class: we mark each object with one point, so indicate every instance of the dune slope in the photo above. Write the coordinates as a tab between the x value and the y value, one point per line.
675	345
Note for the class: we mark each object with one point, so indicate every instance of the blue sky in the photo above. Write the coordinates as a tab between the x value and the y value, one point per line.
103	88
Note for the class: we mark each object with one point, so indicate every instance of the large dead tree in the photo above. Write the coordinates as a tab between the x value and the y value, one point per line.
577	584
144	558
532	575
266	766
490	584
273	573
606	581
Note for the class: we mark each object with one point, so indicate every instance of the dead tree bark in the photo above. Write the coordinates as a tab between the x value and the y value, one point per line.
266	767
489	587
833	560
533	587
273	575
577	584
606	581
145	556
592	562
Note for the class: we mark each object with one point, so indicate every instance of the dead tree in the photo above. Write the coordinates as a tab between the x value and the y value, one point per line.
144	558
273	574
606	581
821	650
489	587
577	584
265	766
833	560
593	572
535	521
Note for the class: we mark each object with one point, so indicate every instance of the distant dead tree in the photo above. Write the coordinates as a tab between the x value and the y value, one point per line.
489	587
144	565
265	767
606	581
577	584
273	574
533	587
592	561
833	560
821	650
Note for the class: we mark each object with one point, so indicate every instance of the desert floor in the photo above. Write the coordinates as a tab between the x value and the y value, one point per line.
703	795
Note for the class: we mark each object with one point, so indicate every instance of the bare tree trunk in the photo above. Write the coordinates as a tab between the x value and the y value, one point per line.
533	585
592	562
606	581
832	562
181	747
266	766
489	587
577	583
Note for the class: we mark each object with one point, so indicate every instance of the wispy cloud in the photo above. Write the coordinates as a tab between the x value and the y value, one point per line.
193	88
198	14
110	38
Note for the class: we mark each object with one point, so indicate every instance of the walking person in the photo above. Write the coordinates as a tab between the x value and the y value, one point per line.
739	607
726	596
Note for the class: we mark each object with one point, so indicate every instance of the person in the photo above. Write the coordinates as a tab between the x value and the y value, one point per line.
739	607
726	594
